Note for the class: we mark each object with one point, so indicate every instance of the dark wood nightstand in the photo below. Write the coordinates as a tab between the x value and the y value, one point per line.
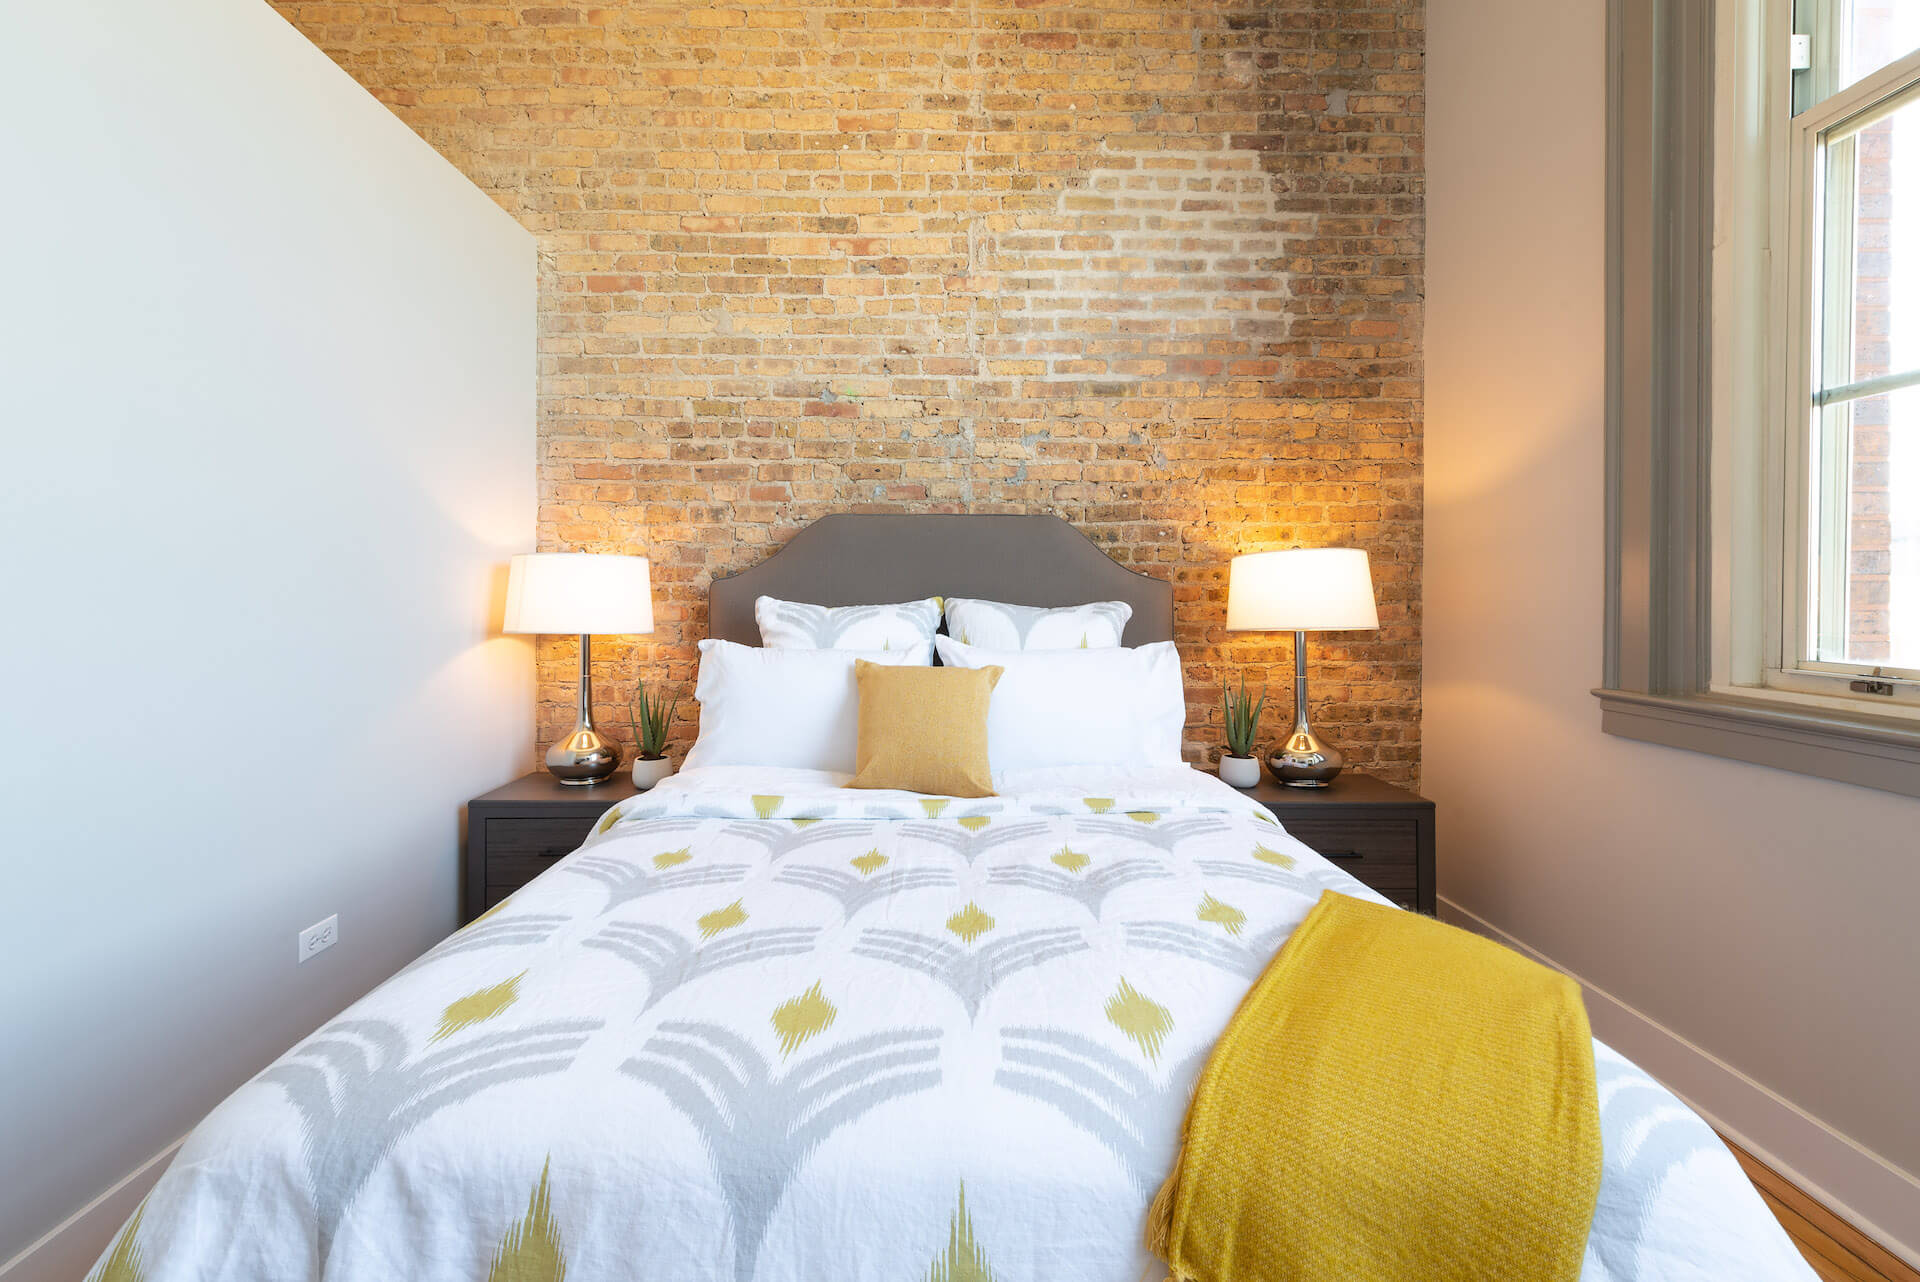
517	832
1380	834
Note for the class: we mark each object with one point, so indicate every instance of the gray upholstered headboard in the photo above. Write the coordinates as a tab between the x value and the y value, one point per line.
859	559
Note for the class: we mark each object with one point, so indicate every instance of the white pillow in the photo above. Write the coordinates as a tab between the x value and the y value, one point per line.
994	625
795	625
794	708
1119	707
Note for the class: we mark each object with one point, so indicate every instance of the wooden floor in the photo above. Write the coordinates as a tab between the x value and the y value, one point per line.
1837	1251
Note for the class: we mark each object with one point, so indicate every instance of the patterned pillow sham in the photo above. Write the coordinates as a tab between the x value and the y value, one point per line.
994	625
794	625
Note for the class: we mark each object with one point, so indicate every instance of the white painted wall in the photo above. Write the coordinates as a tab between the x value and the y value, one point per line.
267	422
1753	928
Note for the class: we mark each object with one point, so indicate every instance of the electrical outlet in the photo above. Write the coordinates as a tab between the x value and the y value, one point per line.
319	937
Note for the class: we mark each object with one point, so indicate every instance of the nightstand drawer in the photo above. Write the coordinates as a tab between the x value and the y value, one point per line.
1398	882
545	838
1379	835
518	850
1372	844
517	832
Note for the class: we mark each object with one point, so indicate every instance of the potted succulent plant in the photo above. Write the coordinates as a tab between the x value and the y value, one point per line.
650	719
1241	721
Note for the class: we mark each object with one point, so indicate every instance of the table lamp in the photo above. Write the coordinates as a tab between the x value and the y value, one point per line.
1298	591
584	593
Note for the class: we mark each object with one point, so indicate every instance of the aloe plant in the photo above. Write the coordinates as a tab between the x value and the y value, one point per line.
1241	718
650	719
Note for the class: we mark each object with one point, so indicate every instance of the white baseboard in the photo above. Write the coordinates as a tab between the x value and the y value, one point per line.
1857	1184
76	1243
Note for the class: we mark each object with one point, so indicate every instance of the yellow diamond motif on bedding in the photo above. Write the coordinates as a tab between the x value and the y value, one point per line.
1071	860
1144	816
721	919
934	805
869	863
1141	1018
802	1018
974	823
478	1007
963	1260
764	806
1277	858
806	821
1220	914
1099	805
530	1252
970	923
612	818
124	1264
672	858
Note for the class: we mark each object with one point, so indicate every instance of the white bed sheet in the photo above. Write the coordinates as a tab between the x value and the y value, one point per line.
766	1027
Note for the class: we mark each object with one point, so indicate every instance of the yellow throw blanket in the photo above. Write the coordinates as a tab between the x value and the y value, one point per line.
1394	1099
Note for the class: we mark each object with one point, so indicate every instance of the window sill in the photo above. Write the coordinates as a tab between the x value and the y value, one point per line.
1856	748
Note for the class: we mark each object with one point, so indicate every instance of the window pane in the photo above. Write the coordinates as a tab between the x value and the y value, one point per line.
1866	564
1876	33
1863	541
1864	483
1884	231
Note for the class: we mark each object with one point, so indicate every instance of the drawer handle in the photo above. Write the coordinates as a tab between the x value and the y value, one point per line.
1342	854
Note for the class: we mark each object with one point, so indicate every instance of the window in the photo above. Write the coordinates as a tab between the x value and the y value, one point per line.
1763	383
1850	571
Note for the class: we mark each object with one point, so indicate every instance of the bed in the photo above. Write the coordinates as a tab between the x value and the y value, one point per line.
762	1026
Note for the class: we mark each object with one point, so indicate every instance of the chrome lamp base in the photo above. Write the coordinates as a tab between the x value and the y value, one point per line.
585	756
1304	760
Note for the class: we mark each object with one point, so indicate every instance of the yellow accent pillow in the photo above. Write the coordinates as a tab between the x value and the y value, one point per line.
924	729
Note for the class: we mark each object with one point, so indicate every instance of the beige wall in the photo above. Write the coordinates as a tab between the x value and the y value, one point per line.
1766	918
266	434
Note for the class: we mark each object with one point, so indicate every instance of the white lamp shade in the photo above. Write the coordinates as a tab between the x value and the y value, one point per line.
579	592
1301	590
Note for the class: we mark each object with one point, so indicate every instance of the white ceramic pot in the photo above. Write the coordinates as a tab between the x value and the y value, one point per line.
1241	772
650	771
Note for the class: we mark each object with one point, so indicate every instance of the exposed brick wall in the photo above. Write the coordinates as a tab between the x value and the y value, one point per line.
1870	553
1155	267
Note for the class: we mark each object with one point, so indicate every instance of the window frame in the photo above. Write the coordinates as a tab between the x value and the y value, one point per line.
1684	615
1801	214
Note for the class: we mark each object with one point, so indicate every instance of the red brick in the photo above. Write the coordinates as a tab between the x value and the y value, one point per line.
1115	262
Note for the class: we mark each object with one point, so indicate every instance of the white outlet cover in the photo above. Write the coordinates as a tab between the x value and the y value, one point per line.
319	937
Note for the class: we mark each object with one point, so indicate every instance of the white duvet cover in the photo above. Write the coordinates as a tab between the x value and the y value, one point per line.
764	1027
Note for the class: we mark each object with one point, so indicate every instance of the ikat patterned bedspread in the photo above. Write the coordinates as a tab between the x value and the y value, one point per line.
762	1028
